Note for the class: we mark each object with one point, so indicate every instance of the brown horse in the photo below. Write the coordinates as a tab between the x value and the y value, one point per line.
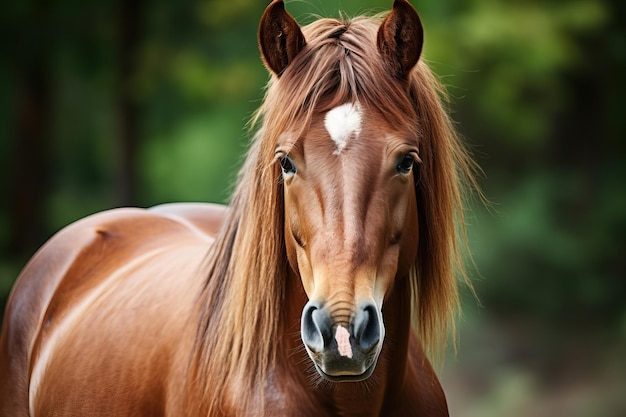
297	300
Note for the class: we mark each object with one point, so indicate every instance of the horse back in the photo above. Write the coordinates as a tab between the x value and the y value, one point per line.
100	312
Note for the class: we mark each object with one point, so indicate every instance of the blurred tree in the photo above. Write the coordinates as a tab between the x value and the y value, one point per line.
29	167
130	18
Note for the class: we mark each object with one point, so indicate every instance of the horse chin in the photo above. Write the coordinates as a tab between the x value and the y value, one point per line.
346	377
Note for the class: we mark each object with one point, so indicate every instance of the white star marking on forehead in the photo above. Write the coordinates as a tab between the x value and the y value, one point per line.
342	123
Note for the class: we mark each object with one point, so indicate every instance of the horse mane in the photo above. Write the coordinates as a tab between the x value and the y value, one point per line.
239	308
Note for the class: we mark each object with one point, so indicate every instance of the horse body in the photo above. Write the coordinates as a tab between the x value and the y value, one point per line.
123	277
126	277
298	299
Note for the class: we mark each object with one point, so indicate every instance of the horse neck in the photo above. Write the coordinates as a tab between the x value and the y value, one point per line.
367	398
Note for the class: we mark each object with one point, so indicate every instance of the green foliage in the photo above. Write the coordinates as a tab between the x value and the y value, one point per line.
195	161
540	259
511	57
536	88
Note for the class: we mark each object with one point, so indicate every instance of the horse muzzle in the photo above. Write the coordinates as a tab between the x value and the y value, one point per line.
343	350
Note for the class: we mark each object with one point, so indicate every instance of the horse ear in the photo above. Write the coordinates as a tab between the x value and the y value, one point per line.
400	38
280	37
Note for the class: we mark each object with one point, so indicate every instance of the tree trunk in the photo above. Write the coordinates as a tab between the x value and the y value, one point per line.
128	110
29	165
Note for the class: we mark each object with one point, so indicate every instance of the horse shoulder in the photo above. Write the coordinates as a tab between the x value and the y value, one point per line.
86	296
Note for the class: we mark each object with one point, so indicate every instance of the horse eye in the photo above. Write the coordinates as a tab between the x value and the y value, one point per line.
405	164
287	165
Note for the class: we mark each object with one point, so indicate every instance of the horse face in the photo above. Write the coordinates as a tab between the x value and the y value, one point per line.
350	209
350	231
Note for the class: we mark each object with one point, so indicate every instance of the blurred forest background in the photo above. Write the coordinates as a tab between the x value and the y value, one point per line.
111	103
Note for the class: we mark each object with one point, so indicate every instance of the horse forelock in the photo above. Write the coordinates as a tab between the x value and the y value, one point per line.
339	64
240	308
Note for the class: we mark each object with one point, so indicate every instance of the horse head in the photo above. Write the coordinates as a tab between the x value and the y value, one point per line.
348	159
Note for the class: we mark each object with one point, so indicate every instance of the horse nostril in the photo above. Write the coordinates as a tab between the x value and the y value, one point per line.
315	327
367	330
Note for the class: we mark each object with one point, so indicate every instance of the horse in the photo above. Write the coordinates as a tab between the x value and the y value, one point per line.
321	290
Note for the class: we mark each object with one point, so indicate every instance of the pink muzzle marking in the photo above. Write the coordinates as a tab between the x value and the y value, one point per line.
343	342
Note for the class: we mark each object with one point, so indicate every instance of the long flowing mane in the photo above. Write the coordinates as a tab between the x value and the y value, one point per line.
246	269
